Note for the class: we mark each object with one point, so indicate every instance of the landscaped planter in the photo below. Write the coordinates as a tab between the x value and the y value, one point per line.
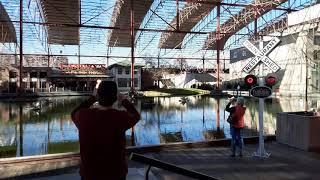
299	129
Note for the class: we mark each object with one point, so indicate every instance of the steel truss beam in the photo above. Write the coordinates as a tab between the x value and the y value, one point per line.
120	19
121	29
110	56
185	20
7	31
274	26
65	12
239	21
235	4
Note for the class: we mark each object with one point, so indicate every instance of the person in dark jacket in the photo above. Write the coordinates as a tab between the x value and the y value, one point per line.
237	124
102	133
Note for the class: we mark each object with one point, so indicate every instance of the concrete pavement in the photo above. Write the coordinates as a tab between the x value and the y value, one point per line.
133	174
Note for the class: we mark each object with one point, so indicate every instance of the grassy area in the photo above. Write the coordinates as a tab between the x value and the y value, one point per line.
174	92
61	147
8	151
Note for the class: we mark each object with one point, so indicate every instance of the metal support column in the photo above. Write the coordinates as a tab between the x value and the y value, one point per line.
158	83
79	58
261	152
21	45
255	25
20	131
218	114
306	88
132	61
218	46
132	45
108	53
178	16
48	56
79	61
203	64
218	64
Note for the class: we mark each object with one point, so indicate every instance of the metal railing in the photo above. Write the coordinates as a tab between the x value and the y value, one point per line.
167	166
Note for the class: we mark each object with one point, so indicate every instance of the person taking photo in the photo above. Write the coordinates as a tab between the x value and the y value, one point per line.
102	133
236	120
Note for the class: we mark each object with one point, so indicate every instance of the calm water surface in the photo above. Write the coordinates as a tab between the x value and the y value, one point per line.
27	130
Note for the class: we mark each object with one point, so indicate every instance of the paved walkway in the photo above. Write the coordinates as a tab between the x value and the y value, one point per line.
133	174
285	163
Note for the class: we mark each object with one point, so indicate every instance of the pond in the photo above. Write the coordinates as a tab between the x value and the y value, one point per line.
45	126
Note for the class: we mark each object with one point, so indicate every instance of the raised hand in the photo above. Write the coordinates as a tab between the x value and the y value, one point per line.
96	88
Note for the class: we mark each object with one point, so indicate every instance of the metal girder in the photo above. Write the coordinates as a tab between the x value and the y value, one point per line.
189	17
62	12
7	31
121	19
277	25
239	21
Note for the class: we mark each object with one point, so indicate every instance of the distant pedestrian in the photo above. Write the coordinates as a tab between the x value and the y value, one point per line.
236	124
50	87
102	133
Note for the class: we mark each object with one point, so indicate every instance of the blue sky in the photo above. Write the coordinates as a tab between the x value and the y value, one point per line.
99	12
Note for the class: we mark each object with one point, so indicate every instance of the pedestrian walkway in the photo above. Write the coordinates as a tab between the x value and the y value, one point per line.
284	163
133	174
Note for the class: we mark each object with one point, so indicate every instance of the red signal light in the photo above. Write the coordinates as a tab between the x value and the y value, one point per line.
250	80
271	79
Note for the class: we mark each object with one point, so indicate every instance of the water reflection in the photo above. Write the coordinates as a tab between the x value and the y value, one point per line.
26	130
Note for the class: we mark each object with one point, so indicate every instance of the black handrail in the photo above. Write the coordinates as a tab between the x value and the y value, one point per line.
169	167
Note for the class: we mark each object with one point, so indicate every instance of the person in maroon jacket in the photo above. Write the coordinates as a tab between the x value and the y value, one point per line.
237	125
102	134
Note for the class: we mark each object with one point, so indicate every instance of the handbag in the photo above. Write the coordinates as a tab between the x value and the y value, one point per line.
229	119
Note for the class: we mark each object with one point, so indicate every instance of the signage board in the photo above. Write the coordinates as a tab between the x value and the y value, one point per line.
261	91
261	55
83	69
240	54
34	79
271	64
83	66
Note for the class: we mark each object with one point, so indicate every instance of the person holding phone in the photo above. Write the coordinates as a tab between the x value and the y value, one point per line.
102	133
236	116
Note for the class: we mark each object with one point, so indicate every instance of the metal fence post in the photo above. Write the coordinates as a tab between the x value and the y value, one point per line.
147	173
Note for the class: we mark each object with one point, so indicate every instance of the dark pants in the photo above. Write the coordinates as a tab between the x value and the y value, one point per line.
237	140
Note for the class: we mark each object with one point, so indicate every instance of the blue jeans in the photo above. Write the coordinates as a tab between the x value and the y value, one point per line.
237	140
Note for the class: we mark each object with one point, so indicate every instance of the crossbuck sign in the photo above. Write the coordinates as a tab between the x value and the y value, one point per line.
261	55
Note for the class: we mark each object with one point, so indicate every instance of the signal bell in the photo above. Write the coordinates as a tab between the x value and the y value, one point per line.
250	80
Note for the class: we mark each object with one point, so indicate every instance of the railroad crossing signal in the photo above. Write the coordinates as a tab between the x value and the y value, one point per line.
261	91
261	55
